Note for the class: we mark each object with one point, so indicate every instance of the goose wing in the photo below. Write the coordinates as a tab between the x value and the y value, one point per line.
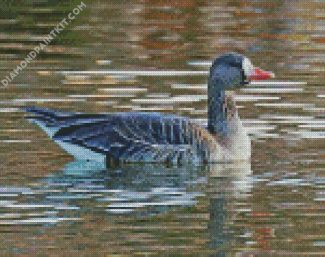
129	137
139	137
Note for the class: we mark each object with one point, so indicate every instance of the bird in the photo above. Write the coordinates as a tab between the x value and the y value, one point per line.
151	137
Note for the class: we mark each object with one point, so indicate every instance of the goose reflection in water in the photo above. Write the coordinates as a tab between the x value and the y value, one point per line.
132	189
229	185
138	191
149	190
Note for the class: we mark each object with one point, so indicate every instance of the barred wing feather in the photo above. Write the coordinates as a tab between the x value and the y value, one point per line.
140	137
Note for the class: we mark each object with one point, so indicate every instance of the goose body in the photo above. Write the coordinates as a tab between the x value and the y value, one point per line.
138	137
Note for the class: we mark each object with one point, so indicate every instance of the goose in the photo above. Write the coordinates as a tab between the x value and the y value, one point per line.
150	137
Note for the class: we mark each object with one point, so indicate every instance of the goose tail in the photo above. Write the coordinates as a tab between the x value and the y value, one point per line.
45	118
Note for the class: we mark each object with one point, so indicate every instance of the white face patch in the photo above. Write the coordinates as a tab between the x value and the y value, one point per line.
248	67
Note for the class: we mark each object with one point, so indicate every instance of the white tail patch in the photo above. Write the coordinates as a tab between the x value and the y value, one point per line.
78	152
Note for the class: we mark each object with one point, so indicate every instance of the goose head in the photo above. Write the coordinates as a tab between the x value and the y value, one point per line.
228	72
233	70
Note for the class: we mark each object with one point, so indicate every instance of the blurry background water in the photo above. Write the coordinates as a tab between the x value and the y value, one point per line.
52	206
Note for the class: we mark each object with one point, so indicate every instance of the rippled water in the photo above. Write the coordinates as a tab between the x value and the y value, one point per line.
154	56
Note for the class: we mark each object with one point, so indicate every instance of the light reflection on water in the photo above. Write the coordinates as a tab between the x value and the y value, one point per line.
154	56
225	199
142	190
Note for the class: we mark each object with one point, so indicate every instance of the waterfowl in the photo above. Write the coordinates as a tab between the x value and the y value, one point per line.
139	137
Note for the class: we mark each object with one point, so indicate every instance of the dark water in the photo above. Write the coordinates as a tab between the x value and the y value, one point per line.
273	206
